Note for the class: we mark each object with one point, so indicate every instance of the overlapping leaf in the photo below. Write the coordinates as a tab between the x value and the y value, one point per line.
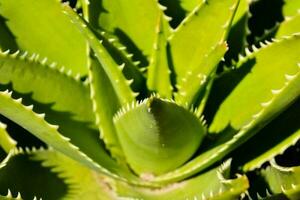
283	180
39	18
258	107
214	184
189	45
157	135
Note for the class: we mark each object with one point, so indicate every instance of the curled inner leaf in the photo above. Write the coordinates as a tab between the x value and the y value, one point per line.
158	135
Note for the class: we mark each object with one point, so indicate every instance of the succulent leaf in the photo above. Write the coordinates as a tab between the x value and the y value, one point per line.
88	185
189	44
283	180
237	37
35	124
214	184
283	88
157	135
291	8
29	75
38	19
194	82
108	87
159	79
189	5
254	102
275	138
124	20
7	39
126	116
289	26
16	176
107	63
130	70
6	142
105	105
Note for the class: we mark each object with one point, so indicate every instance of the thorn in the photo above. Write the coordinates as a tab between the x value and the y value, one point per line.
42	115
44	61
6	52
111	40
121	67
9	195
290	77
15	54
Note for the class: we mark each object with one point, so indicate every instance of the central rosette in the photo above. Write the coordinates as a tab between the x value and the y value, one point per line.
158	135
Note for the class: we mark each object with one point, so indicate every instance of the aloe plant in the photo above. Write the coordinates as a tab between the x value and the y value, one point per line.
115	99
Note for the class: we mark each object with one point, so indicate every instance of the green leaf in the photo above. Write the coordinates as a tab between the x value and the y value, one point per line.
262	100
289	26
283	180
190	5
190	44
258	107
109	88
158	72
291	8
19	173
107	63
124	20
130	70
272	140
214	184
89	185
36	124
111	43
29	75
106	104
42	19
237	37
157	135
6	142
7	40
195	81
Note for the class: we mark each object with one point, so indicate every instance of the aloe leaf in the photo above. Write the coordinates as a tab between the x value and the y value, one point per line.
257	100
259	107
111	68
272	140
191	52
214	184
157	135
106	104
109	88
36	124
289	26
189	45
158	72
16	175
41	19
131	69
190	5
7	40
196	79
114	47
283	180
89	185
124	21
6	142
29	75
237	37
291	8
